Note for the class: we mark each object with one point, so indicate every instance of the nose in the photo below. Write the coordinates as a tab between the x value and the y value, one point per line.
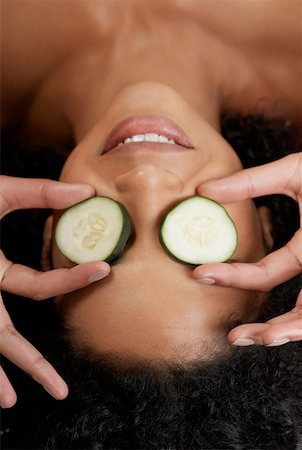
147	190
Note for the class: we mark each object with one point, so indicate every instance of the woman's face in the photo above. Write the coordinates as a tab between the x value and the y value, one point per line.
150	307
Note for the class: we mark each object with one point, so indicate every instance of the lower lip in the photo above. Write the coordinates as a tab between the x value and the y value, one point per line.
136	147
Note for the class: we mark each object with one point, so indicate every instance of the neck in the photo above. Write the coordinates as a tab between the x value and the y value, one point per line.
99	81
87	53
91	78
203	98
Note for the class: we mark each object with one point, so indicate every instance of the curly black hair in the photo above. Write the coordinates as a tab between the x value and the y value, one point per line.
251	399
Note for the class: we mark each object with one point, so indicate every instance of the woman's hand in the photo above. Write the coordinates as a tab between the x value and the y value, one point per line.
20	193
280	177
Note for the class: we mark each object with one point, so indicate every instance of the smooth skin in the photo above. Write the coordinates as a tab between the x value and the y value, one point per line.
60	76
119	315
18	193
280	177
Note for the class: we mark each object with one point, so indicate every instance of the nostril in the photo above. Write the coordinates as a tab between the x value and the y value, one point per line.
147	176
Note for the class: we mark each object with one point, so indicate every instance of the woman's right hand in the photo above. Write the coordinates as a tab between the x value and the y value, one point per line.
20	193
280	177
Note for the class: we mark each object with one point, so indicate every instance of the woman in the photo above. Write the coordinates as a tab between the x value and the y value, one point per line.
76	91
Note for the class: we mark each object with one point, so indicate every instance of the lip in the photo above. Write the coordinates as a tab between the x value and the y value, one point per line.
146	124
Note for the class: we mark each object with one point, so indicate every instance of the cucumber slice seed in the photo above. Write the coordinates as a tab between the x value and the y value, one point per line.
94	229
198	230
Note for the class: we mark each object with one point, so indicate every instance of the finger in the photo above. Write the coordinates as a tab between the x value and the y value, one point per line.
279	333
24	355
267	333
278	177
20	193
294	314
24	281
299	300
272	270
247	334
287	317
8	395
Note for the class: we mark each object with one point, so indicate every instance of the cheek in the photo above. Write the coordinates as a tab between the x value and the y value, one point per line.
58	260
250	241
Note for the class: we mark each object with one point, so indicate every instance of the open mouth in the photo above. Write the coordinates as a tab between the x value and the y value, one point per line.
147	137
150	130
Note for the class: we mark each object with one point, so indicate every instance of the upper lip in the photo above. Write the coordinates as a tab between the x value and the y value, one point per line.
146	124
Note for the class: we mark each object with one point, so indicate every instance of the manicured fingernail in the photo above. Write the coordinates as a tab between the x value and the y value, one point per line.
278	342
207	281
243	342
97	276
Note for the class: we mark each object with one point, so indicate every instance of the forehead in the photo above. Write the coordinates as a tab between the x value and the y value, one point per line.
151	313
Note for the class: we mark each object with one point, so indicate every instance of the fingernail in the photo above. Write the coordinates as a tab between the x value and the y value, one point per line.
278	342
207	281
243	342
97	276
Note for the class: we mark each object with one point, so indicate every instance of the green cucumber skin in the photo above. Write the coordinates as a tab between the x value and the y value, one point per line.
124	236
161	239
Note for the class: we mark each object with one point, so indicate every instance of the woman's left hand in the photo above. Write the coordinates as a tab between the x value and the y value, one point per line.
281	177
277	331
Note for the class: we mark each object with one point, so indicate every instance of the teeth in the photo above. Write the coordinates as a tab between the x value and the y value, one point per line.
138	138
148	137
151	137
163	139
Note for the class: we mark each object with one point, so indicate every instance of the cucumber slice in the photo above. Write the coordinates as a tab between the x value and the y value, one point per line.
198	230
94	229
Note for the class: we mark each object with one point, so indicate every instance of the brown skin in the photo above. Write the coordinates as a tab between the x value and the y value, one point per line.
61	73
89	66
150	307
